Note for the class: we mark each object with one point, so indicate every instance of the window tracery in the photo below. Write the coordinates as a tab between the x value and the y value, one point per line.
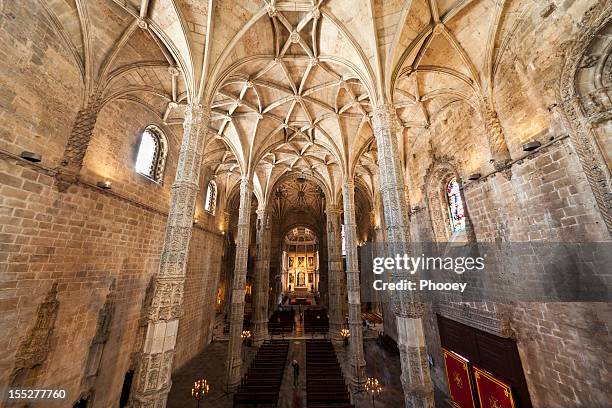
210	204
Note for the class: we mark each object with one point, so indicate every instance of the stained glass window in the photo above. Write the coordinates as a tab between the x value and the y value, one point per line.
455	205
211	198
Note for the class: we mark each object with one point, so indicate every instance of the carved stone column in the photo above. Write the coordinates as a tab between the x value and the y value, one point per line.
497	140
234	362
152	380
377	241
416	379
470	233
334	272
353	287
262	279
78	142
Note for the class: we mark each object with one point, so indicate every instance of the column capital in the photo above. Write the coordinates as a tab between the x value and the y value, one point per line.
412	310
245	182
383	115
194	110
348	183
333	210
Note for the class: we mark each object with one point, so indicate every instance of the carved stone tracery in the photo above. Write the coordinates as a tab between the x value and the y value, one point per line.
576	112
96	348
34	349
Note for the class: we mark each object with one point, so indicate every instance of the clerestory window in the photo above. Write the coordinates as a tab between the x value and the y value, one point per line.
152	152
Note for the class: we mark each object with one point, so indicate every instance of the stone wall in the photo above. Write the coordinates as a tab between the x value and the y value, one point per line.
544	197
197	324
85	238
112	153
547	199
82	239
40	86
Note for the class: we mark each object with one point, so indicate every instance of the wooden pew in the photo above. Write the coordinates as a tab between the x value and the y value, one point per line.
325	384
261	384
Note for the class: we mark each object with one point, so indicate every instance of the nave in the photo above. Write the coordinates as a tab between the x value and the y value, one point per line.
381	361
181	179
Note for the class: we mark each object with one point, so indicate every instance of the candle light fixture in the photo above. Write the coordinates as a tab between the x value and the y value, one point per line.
345	333
200	390
373	387
246	337
246	334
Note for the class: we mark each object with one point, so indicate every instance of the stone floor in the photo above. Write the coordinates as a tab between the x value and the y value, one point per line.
211	365
382	365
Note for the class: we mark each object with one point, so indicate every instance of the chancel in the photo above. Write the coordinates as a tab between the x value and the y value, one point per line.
305	203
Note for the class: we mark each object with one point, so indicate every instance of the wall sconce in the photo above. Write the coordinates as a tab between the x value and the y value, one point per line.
195	221
528	147
104	185
474	176
30	156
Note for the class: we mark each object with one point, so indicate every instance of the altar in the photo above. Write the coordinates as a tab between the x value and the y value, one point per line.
300	263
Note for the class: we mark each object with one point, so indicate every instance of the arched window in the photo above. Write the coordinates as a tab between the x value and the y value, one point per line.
455	205
152	152
211	197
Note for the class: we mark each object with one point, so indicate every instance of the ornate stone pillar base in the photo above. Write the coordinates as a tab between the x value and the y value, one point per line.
156	399
234	352
260	332
416	380
334	333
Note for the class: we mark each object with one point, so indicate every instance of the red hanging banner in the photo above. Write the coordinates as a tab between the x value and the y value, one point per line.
458	378
492	392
